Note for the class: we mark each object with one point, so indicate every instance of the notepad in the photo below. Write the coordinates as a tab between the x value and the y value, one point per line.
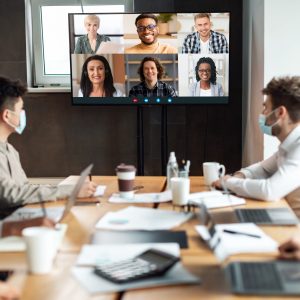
215	199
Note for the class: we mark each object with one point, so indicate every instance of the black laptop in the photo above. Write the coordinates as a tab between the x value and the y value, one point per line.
265	278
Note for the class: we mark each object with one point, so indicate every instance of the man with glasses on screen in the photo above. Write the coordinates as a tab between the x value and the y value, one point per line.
204	40
147	29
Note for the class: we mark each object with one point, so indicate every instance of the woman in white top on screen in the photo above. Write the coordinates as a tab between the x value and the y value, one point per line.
96	79
206	76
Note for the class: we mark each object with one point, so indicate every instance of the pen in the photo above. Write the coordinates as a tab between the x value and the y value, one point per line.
42	205
242	233
90	177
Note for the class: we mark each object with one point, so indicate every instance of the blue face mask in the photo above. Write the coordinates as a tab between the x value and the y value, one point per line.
22	123
266	129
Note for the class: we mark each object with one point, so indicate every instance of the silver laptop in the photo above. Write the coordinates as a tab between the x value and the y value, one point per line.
265	278
54	213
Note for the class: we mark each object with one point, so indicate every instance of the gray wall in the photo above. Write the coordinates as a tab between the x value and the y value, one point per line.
61	139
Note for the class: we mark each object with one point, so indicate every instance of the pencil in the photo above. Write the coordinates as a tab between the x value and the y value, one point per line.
42	205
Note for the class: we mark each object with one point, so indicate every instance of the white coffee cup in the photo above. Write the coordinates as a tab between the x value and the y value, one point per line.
180	188
126	176
41	247
212	171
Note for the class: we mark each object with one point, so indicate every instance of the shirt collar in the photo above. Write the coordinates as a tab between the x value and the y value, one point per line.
290	139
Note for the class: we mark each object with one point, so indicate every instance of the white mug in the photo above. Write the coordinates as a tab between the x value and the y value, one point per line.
180	188
41	247
212	171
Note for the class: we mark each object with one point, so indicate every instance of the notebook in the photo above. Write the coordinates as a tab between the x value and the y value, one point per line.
265	278
55	213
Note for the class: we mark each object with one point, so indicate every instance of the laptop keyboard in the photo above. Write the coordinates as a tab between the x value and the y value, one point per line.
253	215
260	276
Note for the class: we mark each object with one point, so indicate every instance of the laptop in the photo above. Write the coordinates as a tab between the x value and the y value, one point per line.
262	216
54	213
264	278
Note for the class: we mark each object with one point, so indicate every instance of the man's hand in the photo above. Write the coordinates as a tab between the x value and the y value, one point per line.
16	227
290	249
8	292
88	189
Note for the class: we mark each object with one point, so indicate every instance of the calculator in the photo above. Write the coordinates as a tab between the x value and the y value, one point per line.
150	263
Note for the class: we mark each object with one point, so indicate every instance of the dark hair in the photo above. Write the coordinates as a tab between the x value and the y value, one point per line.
159	66
213	71
285	91
145	16
10	90
85	84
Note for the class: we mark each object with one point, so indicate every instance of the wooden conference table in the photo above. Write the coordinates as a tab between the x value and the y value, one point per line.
198	259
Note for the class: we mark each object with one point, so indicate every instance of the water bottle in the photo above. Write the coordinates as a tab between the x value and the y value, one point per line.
172	169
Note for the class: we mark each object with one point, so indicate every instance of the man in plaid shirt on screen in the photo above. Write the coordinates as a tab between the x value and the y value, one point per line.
204	40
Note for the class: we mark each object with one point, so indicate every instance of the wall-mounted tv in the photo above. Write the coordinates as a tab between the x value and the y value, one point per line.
122	58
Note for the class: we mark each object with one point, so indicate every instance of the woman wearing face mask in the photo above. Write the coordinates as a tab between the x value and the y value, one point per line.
206	76
90	42
96	79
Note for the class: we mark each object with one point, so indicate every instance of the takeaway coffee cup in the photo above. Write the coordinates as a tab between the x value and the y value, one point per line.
41	247
180	188
126	176
212	171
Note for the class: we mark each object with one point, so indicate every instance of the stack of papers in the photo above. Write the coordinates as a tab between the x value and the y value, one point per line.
215	199
139	218
237	238
143	198
91	254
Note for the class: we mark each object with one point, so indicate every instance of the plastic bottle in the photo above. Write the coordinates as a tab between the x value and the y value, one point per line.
172	169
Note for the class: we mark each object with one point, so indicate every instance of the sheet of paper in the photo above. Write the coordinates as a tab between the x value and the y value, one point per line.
17	244
91	255
96	284
140	218
71	180
143	198
215	199
226	244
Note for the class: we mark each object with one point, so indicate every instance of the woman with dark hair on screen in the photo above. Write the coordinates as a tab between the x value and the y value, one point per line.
206	76
96	79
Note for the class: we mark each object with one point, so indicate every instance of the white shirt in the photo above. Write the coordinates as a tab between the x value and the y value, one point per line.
205	93
204	46
275	177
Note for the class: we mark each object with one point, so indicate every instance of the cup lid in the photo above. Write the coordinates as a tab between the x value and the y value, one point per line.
125	168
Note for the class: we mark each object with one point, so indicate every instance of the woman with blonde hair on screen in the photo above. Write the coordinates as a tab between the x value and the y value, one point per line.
90	42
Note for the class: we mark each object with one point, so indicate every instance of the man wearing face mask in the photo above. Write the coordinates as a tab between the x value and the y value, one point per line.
15	188
279	175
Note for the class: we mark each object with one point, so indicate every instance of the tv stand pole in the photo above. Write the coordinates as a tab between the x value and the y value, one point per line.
140	141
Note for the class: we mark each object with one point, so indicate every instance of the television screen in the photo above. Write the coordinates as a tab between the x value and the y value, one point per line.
122	58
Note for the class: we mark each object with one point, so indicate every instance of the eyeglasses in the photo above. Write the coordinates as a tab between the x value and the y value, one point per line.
150	27
204	70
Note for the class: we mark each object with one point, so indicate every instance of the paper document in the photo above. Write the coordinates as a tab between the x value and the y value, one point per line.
71	180
17	244
215	199
139	218
91	255
143	198
239	238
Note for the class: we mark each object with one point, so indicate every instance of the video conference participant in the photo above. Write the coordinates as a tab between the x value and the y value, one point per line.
147	29
97	79
15	188
90	42
206	76
277	176
204	40
151	71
